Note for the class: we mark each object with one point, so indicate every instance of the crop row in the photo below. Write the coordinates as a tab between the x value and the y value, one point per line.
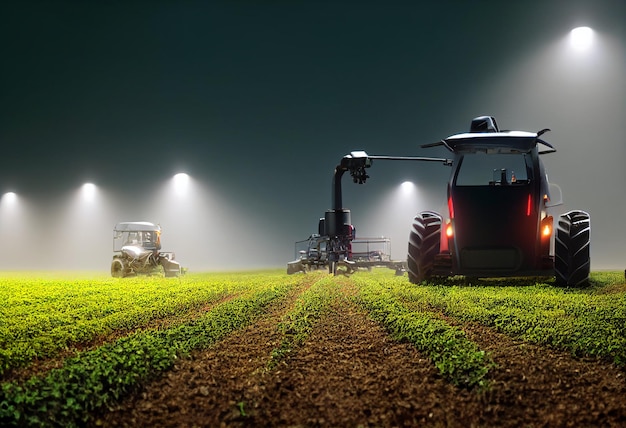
457	358
40	317
95	379
588	322
297	324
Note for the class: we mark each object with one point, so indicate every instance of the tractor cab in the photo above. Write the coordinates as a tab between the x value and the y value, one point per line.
497	220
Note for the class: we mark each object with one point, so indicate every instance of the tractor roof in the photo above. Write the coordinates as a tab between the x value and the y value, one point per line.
135	226
486	137
495	142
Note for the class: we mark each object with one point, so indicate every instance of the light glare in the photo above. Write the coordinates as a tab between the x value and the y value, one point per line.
89	191
581	38
407	187
181	183
9	197
181	180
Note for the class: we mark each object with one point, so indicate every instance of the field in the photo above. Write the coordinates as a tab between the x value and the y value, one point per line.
268	349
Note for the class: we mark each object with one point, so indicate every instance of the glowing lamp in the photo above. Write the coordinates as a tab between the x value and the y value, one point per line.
407	187
181	182
581	38
9	197
89	191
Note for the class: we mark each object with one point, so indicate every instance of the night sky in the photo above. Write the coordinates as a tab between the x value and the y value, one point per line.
258	101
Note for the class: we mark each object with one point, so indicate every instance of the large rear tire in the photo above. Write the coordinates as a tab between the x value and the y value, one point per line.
118	268
572	262
424	241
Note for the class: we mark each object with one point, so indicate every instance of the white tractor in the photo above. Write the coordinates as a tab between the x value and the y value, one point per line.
136	250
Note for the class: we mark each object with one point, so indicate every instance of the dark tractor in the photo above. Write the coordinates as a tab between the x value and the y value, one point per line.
497	223
136	250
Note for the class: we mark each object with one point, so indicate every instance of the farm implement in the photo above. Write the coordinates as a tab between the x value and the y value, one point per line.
498	222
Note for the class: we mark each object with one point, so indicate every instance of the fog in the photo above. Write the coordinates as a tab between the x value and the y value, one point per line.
581	96
386	207
259	118
203	228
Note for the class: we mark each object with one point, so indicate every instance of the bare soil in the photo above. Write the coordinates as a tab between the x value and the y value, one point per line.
351	373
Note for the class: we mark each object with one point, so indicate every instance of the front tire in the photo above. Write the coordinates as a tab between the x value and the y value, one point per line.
118	268
572	262
424	241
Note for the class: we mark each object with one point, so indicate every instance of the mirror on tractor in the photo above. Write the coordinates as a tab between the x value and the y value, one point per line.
556	196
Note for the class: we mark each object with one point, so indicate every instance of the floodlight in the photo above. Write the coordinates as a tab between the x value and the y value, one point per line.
581	38
407	187
88	191
181	182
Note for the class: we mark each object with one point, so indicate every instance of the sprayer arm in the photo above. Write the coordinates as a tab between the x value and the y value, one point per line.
357	161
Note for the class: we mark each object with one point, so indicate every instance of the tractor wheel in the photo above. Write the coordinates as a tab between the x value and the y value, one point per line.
424	241
118	268
571	254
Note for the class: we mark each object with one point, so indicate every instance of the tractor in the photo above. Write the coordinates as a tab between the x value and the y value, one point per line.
136	250
497	224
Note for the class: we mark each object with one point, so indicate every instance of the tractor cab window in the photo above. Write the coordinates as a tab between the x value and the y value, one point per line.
489	169
133	238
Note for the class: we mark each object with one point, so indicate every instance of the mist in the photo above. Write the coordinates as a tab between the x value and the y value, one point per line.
204	229
581	97
260	117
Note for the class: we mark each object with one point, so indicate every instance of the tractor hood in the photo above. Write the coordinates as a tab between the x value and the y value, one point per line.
135	251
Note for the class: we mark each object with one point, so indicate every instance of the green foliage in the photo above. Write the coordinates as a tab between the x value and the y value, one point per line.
95	379
42	316
297	324
588	321
456	357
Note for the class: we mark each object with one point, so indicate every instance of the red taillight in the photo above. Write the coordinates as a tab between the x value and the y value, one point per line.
529	206
451	207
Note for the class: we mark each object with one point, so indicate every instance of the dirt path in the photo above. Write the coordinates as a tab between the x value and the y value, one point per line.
205	389
351	373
